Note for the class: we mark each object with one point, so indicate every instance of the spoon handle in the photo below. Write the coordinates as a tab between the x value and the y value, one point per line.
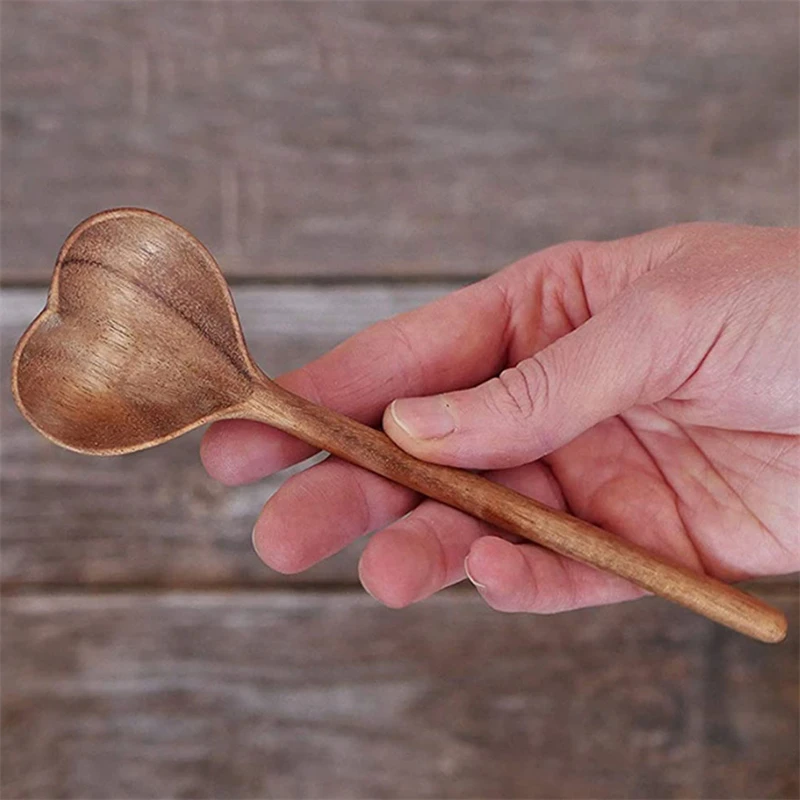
514	512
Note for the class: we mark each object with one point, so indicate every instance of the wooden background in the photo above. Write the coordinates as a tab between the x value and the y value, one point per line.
346	161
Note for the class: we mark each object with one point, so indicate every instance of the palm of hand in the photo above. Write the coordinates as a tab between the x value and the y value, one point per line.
717	500
702	476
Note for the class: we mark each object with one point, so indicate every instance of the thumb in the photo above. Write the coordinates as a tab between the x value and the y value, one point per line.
600	369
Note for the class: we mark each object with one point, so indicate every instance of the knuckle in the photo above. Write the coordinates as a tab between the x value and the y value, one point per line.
521	395
514	392
665	302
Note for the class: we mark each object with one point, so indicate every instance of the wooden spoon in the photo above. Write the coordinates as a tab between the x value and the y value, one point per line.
140	342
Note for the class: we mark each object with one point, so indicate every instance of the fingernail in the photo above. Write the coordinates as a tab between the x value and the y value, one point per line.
423	417
471	579
253	540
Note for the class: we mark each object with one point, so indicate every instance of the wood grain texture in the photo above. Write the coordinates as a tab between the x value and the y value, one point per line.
330	696
393	138
139	341
154	517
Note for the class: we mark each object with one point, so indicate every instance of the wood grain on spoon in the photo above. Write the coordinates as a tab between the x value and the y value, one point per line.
140	342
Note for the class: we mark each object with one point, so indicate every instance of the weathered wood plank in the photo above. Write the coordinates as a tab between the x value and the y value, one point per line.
155	517
329	696
393	138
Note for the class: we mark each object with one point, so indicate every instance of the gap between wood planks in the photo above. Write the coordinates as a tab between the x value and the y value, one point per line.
787	587
456	280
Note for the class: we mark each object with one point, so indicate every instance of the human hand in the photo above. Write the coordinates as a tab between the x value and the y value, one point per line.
648	385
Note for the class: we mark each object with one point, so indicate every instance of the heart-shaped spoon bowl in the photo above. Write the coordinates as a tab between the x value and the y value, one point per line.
139	340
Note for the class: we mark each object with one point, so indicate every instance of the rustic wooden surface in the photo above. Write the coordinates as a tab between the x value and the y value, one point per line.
330	696
403	146
393	138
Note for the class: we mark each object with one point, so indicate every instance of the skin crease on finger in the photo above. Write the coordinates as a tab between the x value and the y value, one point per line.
690	357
